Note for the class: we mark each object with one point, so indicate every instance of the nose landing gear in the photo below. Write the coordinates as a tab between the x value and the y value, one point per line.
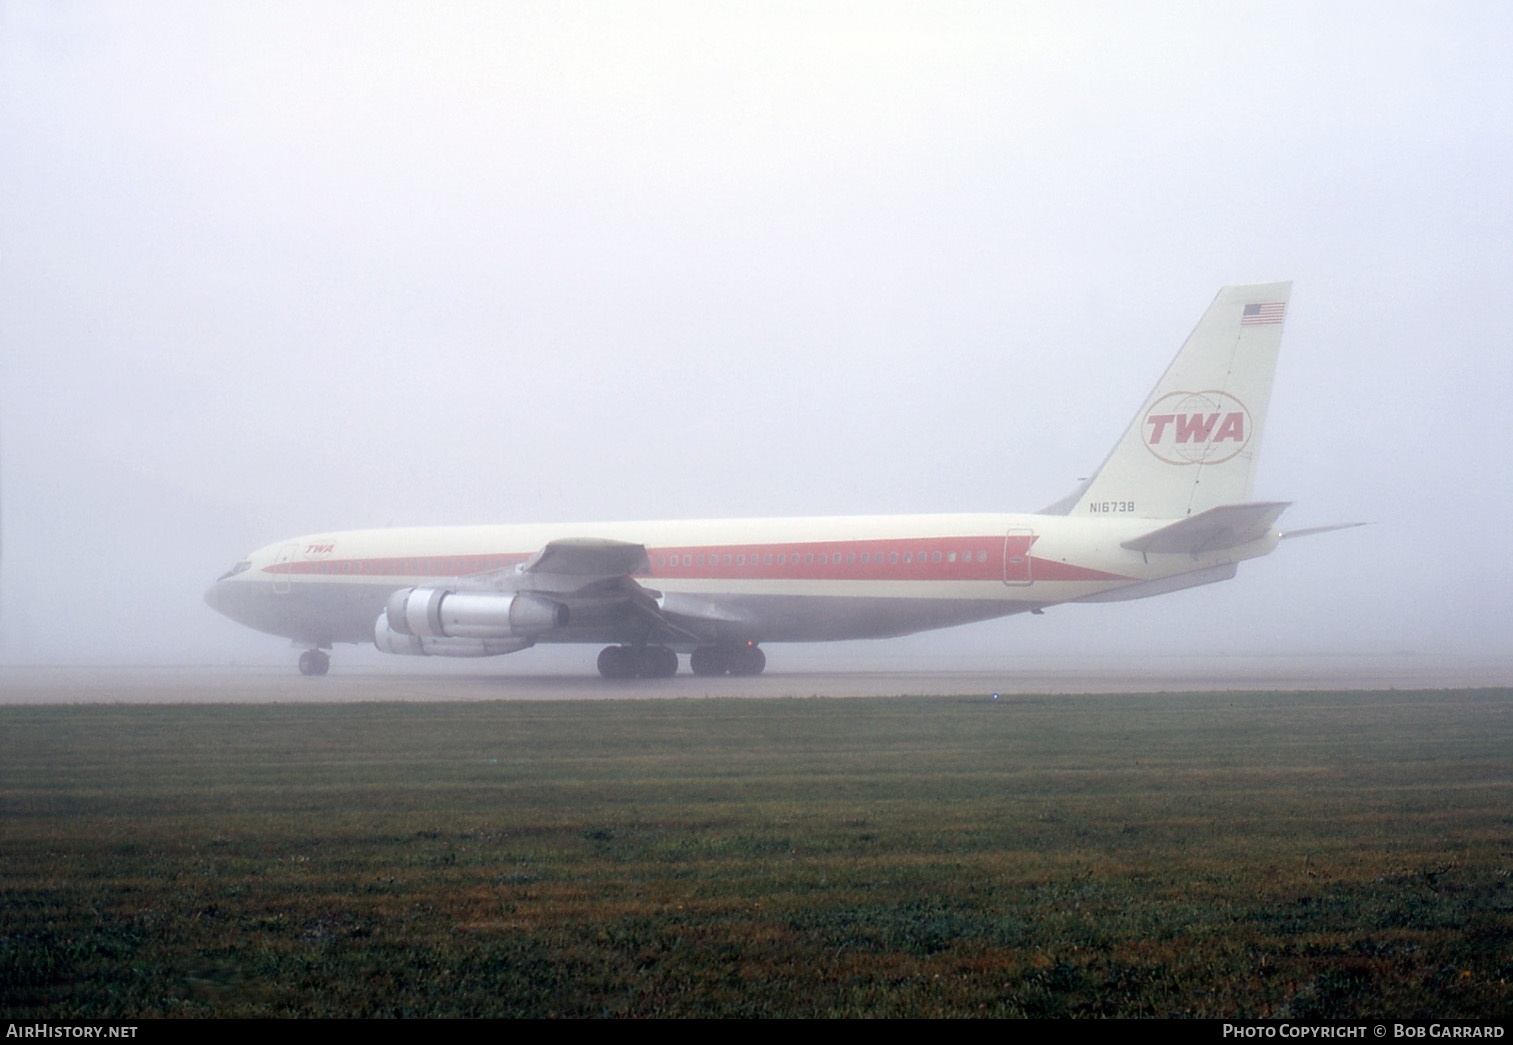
314	662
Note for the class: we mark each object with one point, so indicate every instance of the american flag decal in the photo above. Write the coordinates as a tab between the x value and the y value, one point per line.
1270	312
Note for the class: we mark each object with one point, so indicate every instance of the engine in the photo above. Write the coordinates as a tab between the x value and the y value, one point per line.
441	614
440	622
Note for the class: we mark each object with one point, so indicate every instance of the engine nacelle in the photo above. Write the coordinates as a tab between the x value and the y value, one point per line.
390	641
438	613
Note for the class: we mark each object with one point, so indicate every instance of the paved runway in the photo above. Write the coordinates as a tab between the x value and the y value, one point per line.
426	680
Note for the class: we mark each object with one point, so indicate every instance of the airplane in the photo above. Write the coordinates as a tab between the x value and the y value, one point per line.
1170	508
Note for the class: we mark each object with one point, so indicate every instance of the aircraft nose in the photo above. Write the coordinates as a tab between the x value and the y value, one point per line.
221	595
215	597
229	599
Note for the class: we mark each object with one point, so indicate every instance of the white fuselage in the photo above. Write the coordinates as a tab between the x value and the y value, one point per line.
746	580
1170	508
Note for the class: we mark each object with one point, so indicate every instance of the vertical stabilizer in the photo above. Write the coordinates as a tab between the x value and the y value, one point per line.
1193	444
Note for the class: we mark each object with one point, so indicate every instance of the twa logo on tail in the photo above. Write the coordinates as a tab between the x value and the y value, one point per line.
1197	427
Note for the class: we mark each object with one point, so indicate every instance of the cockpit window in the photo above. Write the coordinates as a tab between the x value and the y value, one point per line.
241	567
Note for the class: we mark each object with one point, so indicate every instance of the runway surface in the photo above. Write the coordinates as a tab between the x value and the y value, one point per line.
433	681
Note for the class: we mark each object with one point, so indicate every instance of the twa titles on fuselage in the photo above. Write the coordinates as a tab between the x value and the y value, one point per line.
1170	508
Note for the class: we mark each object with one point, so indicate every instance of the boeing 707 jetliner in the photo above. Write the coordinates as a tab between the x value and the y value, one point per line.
1170	508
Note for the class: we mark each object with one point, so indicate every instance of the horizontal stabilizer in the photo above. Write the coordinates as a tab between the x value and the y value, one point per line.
1226	526
1311	530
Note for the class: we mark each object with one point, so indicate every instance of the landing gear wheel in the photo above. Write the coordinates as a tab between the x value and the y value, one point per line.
657	662
314	662
708	660
737	660
618	662
747	660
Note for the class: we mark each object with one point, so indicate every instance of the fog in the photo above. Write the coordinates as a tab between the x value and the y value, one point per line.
274	269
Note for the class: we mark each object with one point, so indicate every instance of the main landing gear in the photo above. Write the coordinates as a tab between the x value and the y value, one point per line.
737	660
314	662
629	662
660	662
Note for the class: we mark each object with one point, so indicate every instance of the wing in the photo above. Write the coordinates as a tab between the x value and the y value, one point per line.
595	579
587	557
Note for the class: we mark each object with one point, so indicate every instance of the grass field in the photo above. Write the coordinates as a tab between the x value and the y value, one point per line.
1300	855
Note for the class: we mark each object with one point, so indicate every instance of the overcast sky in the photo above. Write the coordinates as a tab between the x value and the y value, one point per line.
272	269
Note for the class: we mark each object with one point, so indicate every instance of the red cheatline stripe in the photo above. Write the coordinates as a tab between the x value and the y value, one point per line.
924	558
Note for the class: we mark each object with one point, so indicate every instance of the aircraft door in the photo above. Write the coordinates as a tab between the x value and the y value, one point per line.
1016	557
280	578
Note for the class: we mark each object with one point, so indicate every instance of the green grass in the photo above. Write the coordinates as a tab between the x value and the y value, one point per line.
1302	855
